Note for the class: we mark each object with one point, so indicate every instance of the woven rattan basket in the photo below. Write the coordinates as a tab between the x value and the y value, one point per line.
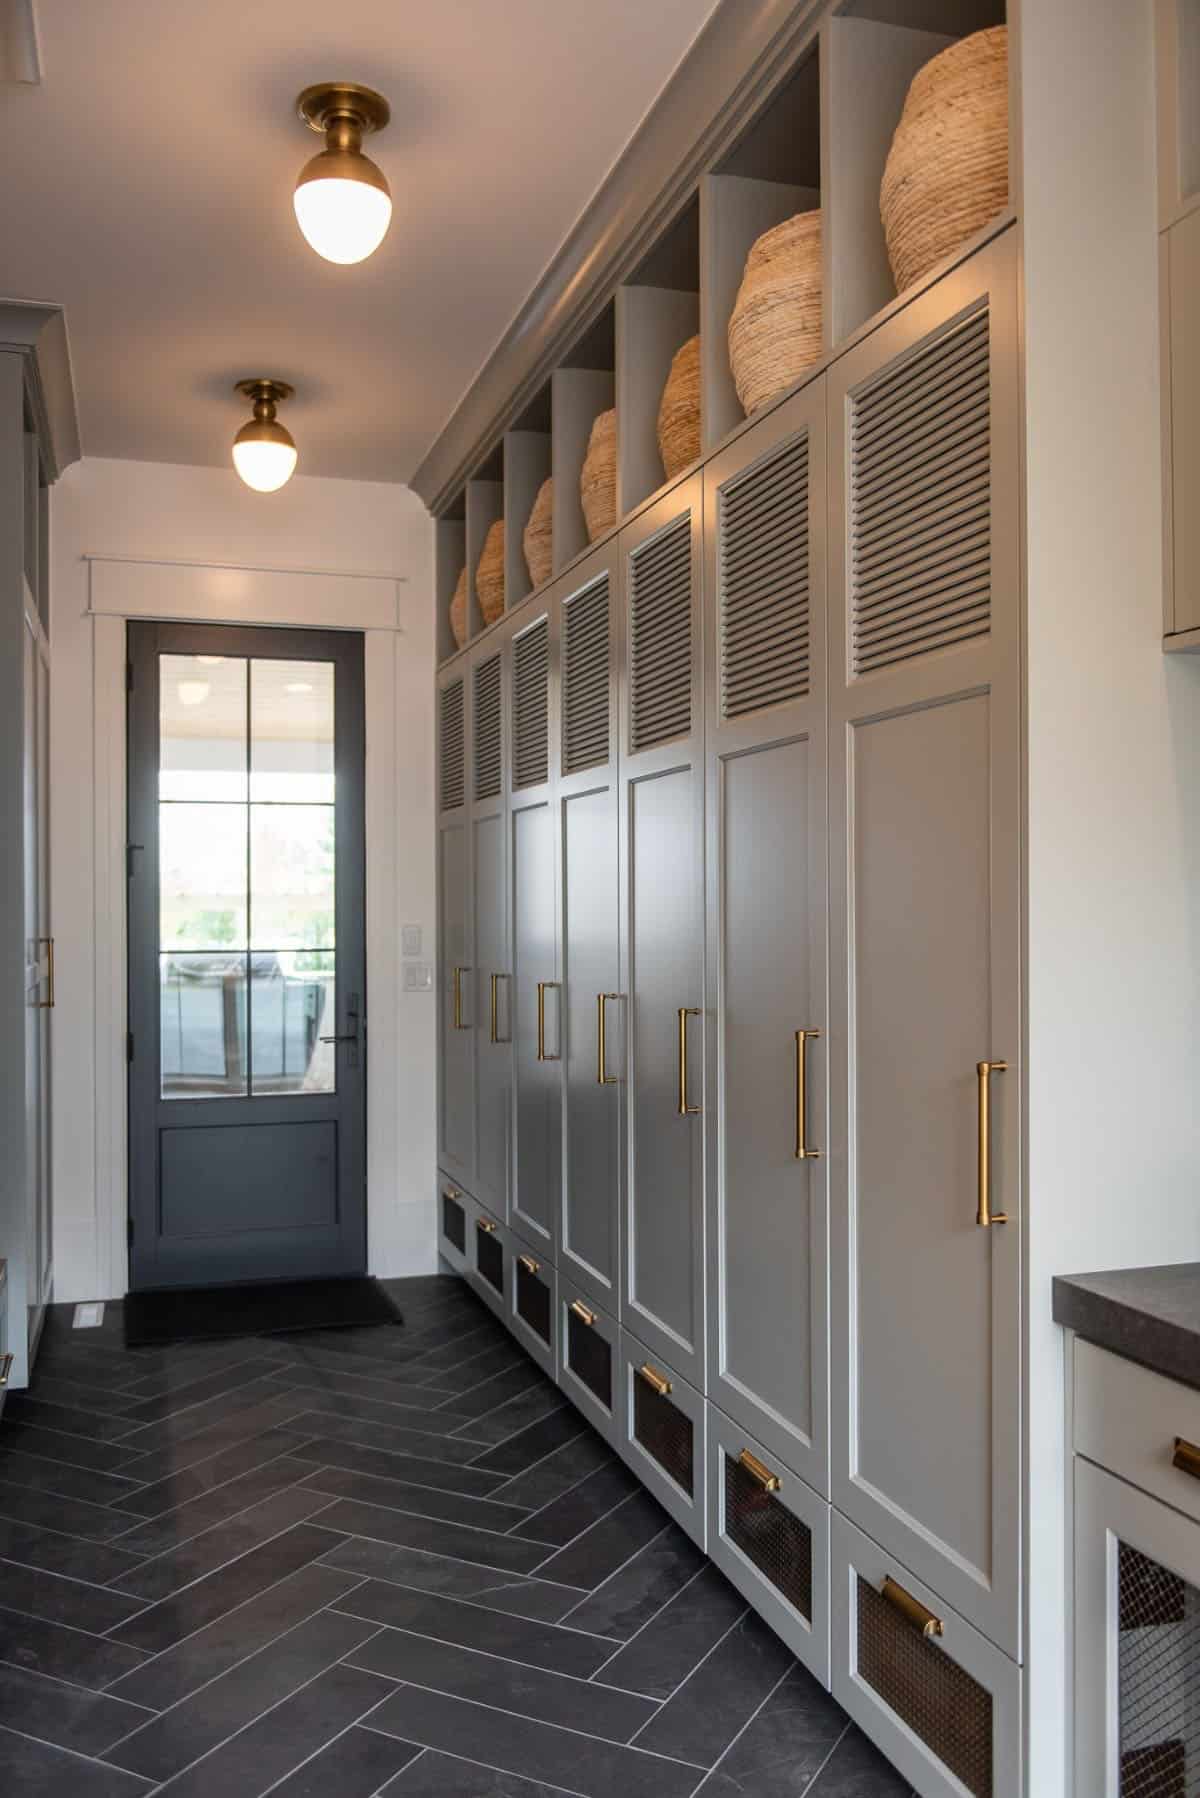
489	574
775	328
598	478
537	539
679	410
458	611
947	170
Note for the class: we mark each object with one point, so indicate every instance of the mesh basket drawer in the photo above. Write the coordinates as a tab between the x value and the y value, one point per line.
777	1542
533	1298
664	1431
489	1257
589	1357
1158	1670
939	1701
454	1222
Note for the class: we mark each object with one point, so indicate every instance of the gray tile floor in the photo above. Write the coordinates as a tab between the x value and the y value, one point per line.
359	1562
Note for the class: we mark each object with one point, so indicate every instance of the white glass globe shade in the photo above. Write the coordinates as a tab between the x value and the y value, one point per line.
343	220
265	466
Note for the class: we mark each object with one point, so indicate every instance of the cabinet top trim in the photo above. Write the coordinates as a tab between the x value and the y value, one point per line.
39	335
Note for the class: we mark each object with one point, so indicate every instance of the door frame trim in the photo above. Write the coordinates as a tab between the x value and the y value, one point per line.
401	1222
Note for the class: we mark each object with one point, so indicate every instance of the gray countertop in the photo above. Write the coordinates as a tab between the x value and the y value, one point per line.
1147	1314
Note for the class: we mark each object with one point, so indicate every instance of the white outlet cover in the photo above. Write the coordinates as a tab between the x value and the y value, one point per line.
418	977
88	1317
410	939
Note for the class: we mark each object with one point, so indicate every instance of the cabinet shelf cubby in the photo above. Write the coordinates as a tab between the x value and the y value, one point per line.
485	504
582	388
450	557
657	310
527	462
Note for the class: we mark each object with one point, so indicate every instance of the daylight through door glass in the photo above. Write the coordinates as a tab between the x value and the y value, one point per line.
246	876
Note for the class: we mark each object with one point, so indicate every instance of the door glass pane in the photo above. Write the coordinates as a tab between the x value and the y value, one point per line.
203	1025
1158	1667
291	876
291	732
293	1003
202	727
202	876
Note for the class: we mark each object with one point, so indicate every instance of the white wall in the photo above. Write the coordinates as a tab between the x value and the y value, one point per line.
205	515
1114	750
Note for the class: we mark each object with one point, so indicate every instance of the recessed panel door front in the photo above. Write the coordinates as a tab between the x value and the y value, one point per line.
456	976
247	990
594	1008
491	970
767	1115
662	947
925	905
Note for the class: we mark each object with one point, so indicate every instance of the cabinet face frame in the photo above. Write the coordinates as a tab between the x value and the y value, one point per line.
651	1086
590	1112
985	1592
456	1054
802	1186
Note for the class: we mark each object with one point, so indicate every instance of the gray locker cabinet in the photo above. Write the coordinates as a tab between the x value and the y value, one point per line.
456	1217
587	609
662	928
490	983
589	1360
456	976
489	1253
536	987
925	760
533	1304
767	914
663	1437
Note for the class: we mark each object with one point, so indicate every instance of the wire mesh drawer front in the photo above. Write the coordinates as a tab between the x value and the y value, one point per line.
770	1535
664	1432
1158	1674
589	1356
533	1301
932	1694
454	1223
489	1258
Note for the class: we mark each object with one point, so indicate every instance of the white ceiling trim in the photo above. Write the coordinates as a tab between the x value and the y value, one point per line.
226	593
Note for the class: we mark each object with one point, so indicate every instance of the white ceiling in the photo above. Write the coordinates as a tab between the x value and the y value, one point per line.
146	186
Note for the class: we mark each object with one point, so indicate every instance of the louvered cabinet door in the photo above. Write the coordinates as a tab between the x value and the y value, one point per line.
587	608
492	1008
766	1111
456	981
925	913
537	1020
662	935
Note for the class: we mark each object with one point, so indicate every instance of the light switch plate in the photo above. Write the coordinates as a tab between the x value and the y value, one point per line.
88	1317
418	977
410	939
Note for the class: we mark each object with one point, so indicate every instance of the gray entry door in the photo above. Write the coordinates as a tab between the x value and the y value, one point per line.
247	979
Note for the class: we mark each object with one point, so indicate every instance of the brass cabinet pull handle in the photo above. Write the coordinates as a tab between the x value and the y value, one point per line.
495	1008
656	1381
603	1077
451	1192
985	1217
1186	1457
47	1004
542	987
803	1152
6	1362
685	1012
485	1224
582	1313
458	1005
529	1264
759	1471
911	1609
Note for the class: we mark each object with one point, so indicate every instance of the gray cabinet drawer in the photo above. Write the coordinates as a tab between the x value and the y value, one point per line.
589	1360
456	1219
1128	1419
769	1534
663	1435
533	1306
940	1700
489	1250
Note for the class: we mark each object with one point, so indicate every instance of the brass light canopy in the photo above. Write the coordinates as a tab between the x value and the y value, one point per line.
264	452
343	202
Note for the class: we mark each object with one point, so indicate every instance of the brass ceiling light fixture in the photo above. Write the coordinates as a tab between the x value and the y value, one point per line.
343	202
264	453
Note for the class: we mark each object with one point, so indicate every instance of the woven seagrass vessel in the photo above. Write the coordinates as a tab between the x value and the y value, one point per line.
598	478
775	327
679	410
537	538
458	611
489	574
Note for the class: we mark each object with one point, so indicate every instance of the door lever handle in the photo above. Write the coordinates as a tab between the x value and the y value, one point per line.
347	1036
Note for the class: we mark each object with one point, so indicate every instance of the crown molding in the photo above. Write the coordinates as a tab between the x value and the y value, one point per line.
39	334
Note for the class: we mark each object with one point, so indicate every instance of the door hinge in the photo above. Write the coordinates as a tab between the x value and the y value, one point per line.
129	1045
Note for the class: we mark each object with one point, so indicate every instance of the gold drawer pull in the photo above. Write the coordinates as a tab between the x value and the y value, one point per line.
485	1224
911	1609
656	1381
542	986
684	1013
603	1077
985	1217
1186	1457
529	1264
47	1004
582	1313
5	1369
803	1152
451	1192
759	1471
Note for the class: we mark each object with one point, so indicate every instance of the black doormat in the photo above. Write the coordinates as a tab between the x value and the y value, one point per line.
275	1308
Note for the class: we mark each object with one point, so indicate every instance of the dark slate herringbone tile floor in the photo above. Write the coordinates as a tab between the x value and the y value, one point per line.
366	1562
